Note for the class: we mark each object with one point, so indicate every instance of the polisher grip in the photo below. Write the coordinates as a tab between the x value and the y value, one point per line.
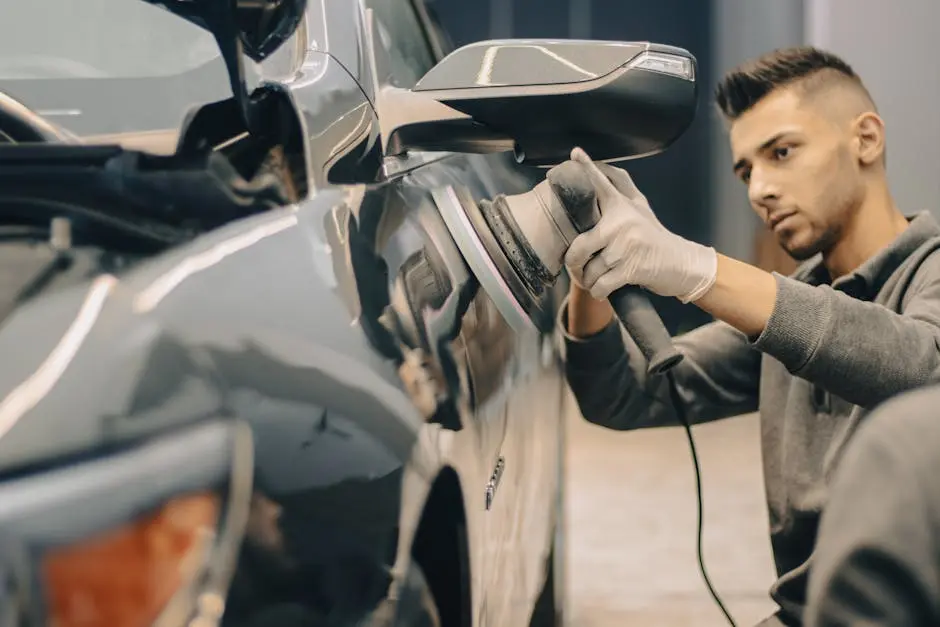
642	322
574	190
572	186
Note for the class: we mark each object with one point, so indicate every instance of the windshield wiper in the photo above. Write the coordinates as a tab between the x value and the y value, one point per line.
33	258
163	199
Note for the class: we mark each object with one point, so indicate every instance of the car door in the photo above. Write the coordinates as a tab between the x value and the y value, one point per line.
534	436
516	388
486	344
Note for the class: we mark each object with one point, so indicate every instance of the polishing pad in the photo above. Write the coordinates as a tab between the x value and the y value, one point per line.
522	310
516	244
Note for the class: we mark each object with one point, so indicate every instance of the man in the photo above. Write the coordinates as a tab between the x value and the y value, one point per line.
877	559
857	323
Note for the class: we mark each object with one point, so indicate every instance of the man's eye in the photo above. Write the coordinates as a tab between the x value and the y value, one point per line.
782	152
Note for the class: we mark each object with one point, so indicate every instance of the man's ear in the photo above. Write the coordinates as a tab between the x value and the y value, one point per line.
869	139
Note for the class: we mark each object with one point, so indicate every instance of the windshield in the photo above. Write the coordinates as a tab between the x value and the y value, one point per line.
43	39
103	67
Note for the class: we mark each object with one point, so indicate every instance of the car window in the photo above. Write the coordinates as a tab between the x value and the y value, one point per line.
403	38
116	66
99	39
285	62
444	41
112	39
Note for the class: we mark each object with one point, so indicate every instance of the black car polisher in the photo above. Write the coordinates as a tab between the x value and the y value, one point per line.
533	232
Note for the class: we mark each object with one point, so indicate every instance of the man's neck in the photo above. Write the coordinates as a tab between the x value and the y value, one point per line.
876	224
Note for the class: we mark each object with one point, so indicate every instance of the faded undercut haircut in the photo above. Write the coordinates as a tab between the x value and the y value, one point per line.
812	68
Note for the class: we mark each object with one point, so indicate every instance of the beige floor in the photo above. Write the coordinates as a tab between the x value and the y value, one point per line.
631	526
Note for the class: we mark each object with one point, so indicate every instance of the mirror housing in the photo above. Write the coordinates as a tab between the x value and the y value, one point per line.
541	98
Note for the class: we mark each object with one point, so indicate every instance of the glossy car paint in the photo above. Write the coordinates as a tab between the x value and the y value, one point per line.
275	320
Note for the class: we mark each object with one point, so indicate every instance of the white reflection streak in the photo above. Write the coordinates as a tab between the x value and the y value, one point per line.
326	25
58	112
484	77
340	119
28	393
150	297
357	129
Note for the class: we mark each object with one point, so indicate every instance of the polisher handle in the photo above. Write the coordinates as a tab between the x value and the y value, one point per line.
644	325
573	188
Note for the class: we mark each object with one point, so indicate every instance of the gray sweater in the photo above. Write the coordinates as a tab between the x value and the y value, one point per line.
877	559
828	355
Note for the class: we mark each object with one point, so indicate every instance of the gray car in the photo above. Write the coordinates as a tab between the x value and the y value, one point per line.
258	370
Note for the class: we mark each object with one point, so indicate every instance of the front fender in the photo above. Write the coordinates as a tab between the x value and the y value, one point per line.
342	461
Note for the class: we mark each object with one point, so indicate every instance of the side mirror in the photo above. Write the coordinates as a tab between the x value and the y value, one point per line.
541	98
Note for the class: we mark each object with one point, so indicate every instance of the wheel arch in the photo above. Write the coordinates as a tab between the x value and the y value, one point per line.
441	549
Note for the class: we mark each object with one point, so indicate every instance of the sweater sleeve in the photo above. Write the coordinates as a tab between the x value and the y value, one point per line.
860	351
718	377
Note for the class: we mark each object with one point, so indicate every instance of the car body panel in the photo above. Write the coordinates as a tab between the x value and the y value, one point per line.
151	328
206	330
334	27
276	320
341	126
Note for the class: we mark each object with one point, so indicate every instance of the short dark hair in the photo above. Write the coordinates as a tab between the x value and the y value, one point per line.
746	85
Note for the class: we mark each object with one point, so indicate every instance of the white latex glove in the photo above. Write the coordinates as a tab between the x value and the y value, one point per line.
629	246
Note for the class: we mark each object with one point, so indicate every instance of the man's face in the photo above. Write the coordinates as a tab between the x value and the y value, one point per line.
801	177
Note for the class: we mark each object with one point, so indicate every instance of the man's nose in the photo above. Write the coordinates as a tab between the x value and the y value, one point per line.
761	191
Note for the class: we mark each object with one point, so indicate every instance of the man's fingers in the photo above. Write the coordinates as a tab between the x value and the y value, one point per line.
604	286
582	249
621	180
601	183
594	270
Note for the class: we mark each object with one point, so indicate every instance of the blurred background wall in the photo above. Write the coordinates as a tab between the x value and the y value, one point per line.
691	186
742	29
892	46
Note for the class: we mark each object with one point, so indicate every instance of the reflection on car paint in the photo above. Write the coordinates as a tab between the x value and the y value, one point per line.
22	398
364	431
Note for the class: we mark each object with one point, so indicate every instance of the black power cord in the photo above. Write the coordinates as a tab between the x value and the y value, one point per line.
680	412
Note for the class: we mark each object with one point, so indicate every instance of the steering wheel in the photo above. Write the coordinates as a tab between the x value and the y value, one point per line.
18	124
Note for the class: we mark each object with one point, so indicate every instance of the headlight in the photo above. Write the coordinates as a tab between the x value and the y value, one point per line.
129	575
147	536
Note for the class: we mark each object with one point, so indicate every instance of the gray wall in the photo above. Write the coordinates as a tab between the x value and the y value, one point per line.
891	45
742	29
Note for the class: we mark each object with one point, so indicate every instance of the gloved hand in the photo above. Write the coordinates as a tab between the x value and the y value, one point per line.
629	246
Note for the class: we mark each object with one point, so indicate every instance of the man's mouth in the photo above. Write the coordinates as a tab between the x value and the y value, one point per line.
778	219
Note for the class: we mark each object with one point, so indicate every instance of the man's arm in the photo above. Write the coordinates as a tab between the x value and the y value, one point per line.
606	371
742	295
860	351
876	559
